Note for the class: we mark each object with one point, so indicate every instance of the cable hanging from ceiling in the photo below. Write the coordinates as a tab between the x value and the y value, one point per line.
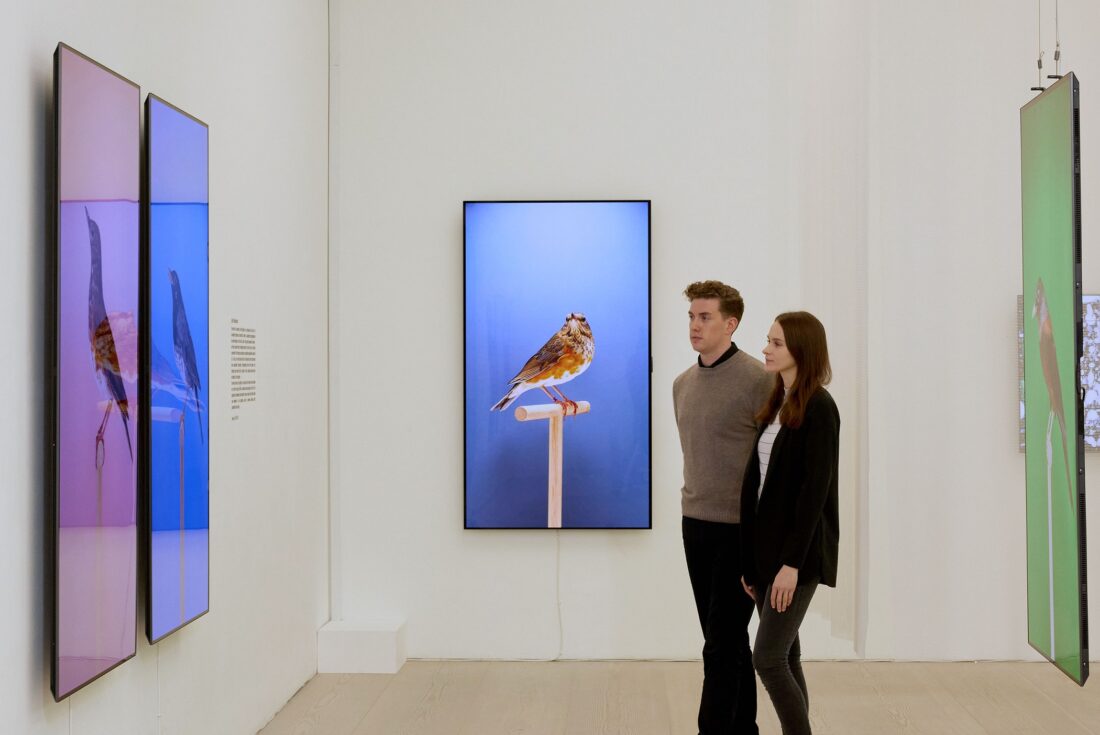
1057	46
1039	33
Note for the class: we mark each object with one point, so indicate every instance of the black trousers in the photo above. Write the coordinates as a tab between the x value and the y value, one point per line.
728	703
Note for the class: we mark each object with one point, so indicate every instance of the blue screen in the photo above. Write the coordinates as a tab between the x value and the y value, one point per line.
528	266
178	368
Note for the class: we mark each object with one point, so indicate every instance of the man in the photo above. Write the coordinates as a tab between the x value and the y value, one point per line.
715	402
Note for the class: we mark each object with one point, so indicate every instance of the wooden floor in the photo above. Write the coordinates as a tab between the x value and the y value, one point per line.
645	697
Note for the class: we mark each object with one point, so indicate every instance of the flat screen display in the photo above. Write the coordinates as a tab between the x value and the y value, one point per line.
557	364
95	419
178	377
1054	408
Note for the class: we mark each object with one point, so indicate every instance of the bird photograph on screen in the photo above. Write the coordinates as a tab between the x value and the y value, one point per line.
178	216
565	355
93	410
554	436
1056	415
108	370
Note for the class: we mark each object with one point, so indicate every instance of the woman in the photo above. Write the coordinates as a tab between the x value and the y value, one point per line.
789	523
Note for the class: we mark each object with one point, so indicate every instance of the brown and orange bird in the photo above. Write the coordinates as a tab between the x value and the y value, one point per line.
1048	357
104	350
564	356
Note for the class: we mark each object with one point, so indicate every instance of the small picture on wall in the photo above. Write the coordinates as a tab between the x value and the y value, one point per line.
557	364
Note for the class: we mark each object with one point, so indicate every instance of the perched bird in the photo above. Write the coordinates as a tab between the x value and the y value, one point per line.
102	339
1040	311
564	356
184	347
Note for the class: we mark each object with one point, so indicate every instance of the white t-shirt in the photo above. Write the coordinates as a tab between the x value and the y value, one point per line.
764	451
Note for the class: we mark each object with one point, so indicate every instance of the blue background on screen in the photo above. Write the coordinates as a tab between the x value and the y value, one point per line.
179	241
527	266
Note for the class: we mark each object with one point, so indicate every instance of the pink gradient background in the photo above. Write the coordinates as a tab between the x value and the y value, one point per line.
97	509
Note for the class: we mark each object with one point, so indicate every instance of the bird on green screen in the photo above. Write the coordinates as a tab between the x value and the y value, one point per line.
1048	356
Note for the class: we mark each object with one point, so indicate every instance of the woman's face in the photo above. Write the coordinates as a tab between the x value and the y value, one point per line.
777	359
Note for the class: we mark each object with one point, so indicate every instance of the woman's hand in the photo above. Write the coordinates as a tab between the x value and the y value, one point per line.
749	589
783	588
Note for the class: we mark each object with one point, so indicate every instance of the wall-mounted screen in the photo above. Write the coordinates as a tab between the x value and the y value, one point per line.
95	420
178	373
1054	411
557	364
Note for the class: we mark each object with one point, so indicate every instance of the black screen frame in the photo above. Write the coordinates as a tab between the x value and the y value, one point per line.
649	347
1079	408
145	386
54	393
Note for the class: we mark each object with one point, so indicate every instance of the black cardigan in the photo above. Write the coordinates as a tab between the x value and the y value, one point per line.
796	521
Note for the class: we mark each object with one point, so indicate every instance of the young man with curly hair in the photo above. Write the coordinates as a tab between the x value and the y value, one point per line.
716	401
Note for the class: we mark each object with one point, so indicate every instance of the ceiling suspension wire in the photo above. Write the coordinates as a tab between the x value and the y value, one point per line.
1039	61
1057	45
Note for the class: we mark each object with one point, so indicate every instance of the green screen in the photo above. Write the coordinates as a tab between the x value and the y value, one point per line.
1052	298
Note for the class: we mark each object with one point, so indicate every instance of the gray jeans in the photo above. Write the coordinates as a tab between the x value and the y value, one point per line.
777	658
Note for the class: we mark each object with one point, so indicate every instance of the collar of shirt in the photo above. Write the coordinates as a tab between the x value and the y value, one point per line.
725	356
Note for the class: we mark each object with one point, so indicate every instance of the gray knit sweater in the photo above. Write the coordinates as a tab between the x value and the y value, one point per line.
715	408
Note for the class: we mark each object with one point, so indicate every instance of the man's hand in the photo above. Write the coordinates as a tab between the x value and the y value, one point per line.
749	589
783	588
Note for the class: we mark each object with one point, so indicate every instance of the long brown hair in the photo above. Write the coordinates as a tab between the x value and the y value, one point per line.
805	337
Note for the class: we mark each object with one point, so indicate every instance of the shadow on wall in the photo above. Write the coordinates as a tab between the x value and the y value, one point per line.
42	260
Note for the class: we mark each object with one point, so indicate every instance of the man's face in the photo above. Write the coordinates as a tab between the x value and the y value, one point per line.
710	332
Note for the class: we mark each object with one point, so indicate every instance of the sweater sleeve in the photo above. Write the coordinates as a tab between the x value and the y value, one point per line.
822	430
749	489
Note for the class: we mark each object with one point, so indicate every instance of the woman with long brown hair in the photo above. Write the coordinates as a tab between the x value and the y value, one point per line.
789	518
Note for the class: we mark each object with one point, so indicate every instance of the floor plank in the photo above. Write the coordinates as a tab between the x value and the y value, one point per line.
857	697
516	697
329	704
1001	701
683	682
1081	703
426	698
659	698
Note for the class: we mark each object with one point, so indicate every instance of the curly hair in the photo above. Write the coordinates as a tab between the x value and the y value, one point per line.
729	298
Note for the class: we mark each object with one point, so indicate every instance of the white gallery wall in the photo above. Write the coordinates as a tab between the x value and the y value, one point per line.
857	159
257	74
944	271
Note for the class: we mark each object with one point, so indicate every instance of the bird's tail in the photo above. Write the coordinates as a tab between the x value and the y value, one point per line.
1065	457
198	413
509	398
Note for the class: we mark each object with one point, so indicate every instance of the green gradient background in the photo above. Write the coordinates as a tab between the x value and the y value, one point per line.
1046	128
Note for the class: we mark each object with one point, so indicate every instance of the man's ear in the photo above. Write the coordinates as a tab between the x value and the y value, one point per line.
731	325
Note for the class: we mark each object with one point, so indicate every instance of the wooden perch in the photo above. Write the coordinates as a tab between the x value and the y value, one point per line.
555	413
